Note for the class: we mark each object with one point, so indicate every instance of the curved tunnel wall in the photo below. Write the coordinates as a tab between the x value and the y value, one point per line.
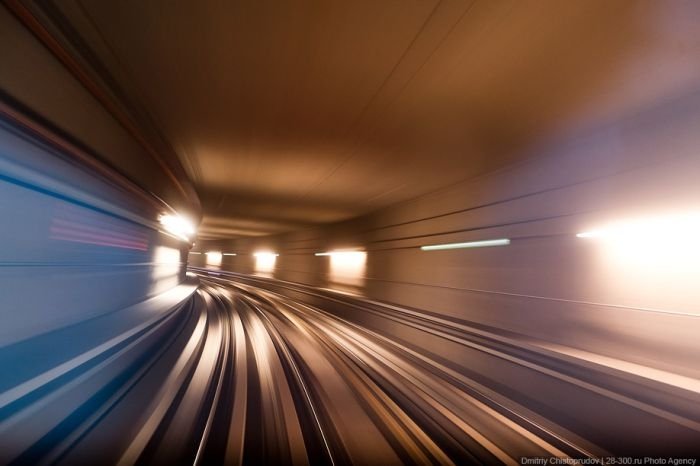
81	246
89	295
72	100
80	195
548	284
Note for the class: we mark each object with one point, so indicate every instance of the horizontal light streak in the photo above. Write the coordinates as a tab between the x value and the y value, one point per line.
79	225
665	243
229	254
470	244
658	230
590	234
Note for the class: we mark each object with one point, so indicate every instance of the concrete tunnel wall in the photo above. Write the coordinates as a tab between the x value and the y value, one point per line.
78	245
36	83
85	263
81	247
547	285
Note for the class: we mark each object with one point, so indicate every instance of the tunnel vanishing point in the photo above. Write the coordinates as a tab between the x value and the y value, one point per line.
386	232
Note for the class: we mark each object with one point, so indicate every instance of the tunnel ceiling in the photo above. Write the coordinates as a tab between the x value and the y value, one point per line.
287	114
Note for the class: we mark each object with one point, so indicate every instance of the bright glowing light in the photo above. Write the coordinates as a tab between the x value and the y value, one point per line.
195	252
590	234
229	254
471	244
166	268
346	267
265	254
265	261
668	228
177	226
652	262
665	239
166	256
214	257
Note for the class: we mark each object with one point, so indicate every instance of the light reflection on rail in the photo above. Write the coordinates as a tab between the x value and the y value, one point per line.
244	375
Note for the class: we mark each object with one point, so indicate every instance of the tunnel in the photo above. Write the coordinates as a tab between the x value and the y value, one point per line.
324	232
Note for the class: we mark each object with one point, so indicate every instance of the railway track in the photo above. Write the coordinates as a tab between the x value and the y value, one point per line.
240	374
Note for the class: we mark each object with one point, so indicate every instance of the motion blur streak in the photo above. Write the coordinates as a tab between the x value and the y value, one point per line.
667	240
71	223
244	374
171	171
472	244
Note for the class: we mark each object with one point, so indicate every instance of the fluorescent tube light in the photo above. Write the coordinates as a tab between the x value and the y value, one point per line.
471	244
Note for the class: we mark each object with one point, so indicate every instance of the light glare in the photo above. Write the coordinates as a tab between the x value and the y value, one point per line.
664	239
214	257
590	234
178	226
651	262
166	268
265	261
346	267
685	227
471	244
